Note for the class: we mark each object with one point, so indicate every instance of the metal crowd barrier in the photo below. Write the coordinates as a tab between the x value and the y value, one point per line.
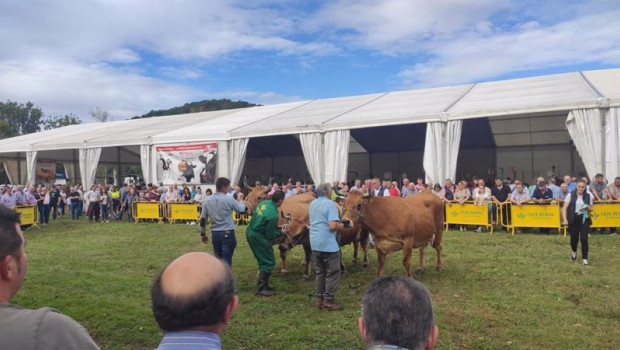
535	215
148	211
182	211
29	215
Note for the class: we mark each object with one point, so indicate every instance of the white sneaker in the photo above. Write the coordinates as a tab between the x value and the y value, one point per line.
192	223
585	262
573	256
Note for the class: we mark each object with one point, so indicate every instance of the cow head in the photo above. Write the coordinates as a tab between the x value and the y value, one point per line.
255	196
354	207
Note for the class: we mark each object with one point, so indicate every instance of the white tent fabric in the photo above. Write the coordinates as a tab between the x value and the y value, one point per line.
237	150
441	150
312	147
145	162
31	167
10	168
336	155
585	128
89	159
612	143
70	171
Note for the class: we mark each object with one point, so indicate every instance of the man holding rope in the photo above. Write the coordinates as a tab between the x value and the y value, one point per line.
261	231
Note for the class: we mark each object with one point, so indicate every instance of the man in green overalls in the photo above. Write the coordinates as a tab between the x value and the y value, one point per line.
261	231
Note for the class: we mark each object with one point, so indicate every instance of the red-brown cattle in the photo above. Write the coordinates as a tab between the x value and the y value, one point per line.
397	223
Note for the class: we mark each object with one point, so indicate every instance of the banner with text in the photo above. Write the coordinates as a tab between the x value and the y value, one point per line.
467	214
606	215
535	215
183	211
28	214
191	164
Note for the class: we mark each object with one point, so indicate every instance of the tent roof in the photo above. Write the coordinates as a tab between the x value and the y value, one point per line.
528	98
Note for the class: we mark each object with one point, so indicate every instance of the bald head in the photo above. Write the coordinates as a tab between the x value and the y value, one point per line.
192	273
195	291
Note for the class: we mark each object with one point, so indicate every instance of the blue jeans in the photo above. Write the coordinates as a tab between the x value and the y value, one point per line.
104	211
75	210
45	218
224	243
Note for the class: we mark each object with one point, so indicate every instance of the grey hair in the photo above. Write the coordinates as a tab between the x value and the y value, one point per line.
398	311
324	189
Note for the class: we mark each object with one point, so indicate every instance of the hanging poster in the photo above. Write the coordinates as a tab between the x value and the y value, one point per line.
46	170
190	164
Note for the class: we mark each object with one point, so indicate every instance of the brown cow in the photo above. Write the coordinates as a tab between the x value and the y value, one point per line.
294	211
397	223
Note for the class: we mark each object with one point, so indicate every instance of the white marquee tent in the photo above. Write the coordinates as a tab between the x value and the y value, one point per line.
520	112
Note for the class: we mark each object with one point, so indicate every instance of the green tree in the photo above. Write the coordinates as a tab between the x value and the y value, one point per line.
60	121
19	119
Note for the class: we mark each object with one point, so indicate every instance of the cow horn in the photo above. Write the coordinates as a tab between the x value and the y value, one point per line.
368	194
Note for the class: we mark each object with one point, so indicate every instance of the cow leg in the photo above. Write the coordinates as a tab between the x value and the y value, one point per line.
355	248
364	244
438	247
283	252
407	250
343	269
308	256
381	262
421	266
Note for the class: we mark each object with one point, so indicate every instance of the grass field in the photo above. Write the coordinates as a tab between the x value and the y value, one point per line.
496	291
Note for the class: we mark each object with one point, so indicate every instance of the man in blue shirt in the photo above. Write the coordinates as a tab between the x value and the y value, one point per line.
542	194
193	299
219	208
324	223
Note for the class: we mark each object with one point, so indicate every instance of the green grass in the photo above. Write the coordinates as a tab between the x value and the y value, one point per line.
496	291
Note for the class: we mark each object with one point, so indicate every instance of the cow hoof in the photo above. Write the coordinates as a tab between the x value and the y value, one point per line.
284	272
439	268
303	263
419	271
366	266
306	277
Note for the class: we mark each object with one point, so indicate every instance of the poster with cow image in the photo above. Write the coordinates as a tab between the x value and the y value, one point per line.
46	170
191	164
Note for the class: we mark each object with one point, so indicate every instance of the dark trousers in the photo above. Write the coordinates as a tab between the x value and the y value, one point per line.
579	231
75	210
224	244
45	214
93	211
54	210
327	267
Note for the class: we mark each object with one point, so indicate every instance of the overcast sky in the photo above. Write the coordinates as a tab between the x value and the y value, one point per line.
131	56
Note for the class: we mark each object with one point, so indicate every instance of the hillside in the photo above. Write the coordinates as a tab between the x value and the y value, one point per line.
201	106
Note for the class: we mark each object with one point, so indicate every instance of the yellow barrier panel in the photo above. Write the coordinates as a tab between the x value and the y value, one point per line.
468	214
147	211
182	211
536	215
605	215
28	215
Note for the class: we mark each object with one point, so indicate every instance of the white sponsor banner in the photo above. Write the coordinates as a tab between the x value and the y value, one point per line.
191	164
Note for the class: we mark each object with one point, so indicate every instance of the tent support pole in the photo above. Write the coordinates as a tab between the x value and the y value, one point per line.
603	142
118	164
19	169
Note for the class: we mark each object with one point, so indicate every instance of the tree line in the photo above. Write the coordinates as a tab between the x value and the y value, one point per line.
200	106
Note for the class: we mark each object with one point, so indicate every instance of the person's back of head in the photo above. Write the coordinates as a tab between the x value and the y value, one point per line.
397	311
324	189
11	255
221	183
194	292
